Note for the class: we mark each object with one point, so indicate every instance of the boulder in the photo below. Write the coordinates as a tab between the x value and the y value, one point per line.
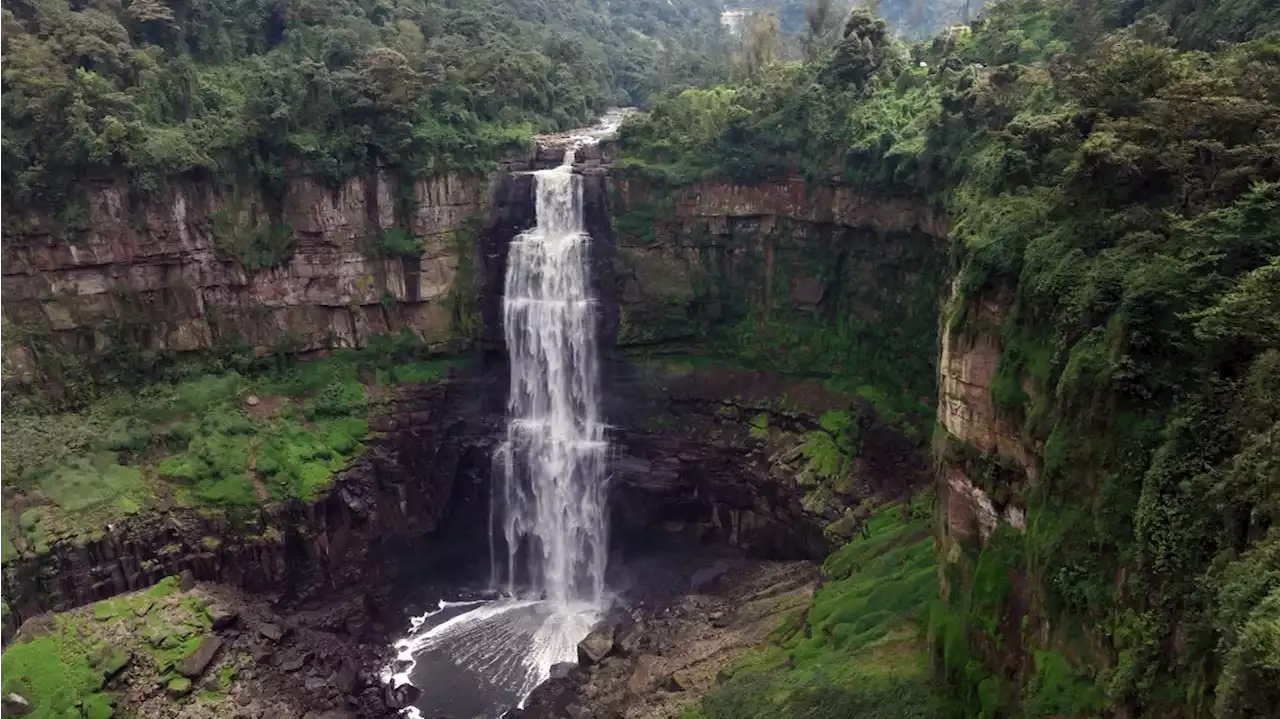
274	632
646	675
596	646
220	616
704	579
198	661
186	580
564	670
401	697
677	682
15	705
179	687
628	636
293	661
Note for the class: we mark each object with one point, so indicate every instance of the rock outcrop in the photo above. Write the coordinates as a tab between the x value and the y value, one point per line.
694	461
163	269
424	477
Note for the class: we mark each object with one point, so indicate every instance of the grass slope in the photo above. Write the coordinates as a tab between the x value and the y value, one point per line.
859	649
200	442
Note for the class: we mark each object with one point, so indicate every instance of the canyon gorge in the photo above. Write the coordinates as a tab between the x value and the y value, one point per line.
839	374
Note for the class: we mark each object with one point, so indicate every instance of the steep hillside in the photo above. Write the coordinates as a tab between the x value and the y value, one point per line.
1109	350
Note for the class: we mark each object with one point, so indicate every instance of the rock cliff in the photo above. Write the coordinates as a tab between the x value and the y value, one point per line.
424	475
161	266
801	278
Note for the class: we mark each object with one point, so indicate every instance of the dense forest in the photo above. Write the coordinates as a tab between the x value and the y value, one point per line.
1111	174
241	90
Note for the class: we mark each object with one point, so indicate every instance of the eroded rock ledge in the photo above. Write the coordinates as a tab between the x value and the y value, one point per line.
424	475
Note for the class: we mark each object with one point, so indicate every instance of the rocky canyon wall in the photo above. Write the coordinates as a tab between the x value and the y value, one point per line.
815	279
162	275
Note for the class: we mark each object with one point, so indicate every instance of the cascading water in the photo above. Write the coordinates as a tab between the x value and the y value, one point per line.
554	455
550	511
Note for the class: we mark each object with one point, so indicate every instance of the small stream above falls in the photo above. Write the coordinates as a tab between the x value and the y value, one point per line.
548	550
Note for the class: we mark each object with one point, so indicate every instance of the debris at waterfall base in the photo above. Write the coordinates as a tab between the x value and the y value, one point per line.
676	643
156	654
772	640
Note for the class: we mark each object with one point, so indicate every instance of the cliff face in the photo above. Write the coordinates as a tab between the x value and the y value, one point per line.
995	628
156	275
802	278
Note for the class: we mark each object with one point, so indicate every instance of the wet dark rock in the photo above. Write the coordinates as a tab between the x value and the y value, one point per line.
198	661
549	700
596	646
260	653
348	679
563	670
186	580
397	698
704	579
329	714
577	711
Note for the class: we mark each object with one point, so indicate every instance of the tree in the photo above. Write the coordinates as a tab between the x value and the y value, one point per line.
818	18
864	50
761	42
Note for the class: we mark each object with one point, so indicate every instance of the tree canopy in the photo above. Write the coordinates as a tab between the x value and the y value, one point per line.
156	88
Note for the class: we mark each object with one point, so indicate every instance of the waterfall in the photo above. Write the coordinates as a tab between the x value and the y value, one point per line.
552	462
477	658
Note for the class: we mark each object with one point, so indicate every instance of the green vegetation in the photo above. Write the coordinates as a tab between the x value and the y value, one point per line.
1108	169
858	650
152	91
200	442
399	243
64	672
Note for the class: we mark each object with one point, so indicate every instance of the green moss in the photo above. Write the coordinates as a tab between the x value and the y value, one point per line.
98	706
8	551
55	674
179	686
399	243
1058	689
857	650
164	587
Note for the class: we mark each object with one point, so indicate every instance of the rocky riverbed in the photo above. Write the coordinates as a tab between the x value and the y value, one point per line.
675	636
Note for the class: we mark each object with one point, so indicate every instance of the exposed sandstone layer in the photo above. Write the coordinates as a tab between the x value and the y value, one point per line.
157	268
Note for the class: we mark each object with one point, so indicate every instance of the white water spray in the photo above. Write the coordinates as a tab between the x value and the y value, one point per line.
550	495
553	459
